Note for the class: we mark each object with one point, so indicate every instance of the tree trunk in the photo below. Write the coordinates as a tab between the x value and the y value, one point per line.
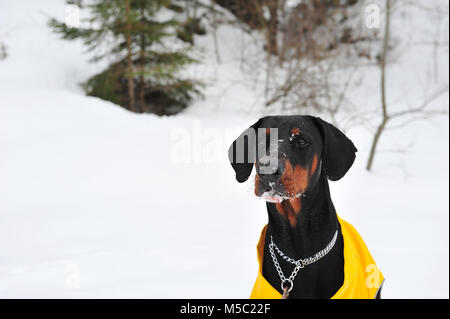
386	117
272	28
375	141
129	58
143	44
142	80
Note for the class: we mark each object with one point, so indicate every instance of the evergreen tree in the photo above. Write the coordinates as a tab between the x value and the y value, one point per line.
145	75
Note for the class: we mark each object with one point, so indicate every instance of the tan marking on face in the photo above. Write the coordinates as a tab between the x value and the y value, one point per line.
295	131
294	179
296	204
314	165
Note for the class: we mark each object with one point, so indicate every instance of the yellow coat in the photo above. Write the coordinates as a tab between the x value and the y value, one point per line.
362	279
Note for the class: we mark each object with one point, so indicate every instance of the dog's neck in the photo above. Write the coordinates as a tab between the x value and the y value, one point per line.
304	226
310	231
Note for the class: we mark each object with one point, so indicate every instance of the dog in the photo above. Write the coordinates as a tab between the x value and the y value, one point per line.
306	250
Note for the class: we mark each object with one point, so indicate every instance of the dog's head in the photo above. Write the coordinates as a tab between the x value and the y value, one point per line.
289	154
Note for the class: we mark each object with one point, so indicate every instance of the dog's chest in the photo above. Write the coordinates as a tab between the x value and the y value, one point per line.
318	280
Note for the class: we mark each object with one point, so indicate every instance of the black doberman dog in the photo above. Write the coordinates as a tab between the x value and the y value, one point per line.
302	218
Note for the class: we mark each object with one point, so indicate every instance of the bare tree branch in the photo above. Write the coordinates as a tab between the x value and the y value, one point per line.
421	108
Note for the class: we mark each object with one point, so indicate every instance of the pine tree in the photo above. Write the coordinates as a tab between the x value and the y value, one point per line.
145	75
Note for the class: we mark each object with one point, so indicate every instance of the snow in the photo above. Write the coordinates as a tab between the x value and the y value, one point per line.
98	202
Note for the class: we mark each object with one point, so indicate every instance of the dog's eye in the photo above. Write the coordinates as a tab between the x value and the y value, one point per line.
297	141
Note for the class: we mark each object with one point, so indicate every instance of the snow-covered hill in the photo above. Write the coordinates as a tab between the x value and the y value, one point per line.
99	202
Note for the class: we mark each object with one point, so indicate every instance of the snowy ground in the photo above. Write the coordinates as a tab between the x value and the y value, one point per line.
98	202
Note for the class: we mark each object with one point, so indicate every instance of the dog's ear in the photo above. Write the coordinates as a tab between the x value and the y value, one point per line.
338	152
242	152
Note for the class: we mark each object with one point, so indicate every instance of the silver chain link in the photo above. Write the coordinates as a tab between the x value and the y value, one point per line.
298	263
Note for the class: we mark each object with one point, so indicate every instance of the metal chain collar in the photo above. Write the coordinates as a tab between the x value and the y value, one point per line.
298	263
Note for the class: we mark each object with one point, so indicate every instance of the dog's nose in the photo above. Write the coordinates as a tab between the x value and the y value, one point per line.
270	167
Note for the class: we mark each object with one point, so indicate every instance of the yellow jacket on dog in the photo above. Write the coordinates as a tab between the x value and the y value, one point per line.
362	279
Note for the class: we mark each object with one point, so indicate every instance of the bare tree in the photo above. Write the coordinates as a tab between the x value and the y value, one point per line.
321	49
385	117
408	115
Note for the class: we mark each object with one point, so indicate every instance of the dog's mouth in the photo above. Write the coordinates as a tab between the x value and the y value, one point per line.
273	197
273	194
